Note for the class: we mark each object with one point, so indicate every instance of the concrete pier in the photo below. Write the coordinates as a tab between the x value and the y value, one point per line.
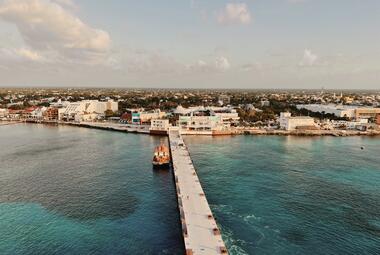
141	129
200	231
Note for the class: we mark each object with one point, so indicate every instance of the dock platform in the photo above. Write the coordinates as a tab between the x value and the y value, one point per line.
200	231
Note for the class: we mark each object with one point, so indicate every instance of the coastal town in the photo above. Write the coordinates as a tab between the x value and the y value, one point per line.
198	112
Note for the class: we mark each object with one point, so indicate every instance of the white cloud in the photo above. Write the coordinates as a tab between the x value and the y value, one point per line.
251	67
66	3
51	31
202	63
222	63
29	54
308	59
21	54
234	13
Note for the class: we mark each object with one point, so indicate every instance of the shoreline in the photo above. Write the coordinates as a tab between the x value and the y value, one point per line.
7	122
145	129
336	133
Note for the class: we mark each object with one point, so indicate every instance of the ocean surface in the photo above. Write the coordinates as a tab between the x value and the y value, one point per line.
292	195
70	190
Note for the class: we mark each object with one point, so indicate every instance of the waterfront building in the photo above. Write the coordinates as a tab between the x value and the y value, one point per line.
3	113
159	126
126	117
140	116
227	114
340	111
51	113
86	110
366	113
361	124
15	114
288	122
200	123
147	116
36	113
343	111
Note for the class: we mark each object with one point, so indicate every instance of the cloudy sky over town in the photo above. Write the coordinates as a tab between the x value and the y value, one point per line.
190	43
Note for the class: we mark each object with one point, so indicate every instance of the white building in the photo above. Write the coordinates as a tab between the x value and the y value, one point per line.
159	124
60	104
86	110
340	111
3	113
112	105
38	113
343	111
224	100
200	123
227	114
288	122
265	103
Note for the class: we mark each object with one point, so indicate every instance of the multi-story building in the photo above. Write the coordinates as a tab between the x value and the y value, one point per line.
147	116
228	114
4	113
139	116
343	111
159	126
200	123
112	105
367	113
51	113
288	122
339	111
86	110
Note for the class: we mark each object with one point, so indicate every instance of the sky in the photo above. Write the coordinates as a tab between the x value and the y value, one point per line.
248	44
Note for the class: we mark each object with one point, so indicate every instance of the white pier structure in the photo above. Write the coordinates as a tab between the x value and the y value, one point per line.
200	231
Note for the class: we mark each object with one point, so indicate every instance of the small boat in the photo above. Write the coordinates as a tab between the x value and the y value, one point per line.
161	157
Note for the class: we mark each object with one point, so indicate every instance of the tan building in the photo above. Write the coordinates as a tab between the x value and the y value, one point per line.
366	113
159	124
146	117
51	114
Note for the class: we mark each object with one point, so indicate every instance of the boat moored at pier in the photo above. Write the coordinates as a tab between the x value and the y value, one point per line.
161	158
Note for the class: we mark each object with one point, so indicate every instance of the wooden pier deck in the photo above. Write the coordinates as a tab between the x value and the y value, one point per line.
200	231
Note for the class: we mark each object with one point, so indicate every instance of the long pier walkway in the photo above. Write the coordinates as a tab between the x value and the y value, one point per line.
200	231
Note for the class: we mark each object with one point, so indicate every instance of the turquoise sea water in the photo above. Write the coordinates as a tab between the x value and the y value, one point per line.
68	190
292	195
